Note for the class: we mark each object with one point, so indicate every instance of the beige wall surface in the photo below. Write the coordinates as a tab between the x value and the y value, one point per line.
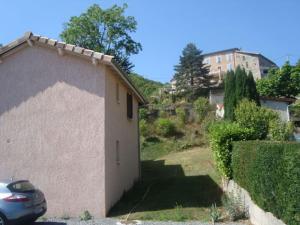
120	176
250	63
52	128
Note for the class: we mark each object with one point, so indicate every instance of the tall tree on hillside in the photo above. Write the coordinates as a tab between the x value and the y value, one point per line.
104	30
190	74
229	95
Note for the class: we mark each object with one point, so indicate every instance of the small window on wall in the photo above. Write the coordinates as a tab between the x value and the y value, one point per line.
129	106
247	65
117	93
117	152
218	59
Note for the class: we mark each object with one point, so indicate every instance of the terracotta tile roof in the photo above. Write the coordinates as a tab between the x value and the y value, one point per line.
63	47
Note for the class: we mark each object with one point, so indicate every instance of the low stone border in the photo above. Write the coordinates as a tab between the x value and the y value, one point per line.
257	216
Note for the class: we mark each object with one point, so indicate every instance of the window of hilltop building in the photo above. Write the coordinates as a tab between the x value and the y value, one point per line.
129	106
247	65
218	59
207	60
229	66
244	58
229	57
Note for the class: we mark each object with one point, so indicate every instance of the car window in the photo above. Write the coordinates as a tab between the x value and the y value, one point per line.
22	186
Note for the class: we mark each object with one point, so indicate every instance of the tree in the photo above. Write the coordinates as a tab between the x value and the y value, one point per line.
229	96
283	82
240	83
190	74
238	86
104	30
251	92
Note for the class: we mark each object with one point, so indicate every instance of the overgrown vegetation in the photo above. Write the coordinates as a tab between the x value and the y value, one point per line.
270	172
147	87
282	82
234	206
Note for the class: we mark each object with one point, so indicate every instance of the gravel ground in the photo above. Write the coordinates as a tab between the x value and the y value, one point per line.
109	221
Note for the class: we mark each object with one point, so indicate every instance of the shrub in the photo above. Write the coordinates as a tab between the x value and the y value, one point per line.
249	115
214	213
270	172
280	131
143	114
86	216
144	128
201	107
165	127
222	134
181	115
234	207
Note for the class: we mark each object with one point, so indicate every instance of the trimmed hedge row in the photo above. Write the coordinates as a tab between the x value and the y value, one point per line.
270	172
222	134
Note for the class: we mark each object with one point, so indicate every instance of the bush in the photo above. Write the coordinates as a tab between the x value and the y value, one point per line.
249	115
201	107
144	128
85	216
143	114
165	127
222	134
270	172
234	207
280	131
181	115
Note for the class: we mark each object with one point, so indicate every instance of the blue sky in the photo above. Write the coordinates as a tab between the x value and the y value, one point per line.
271	27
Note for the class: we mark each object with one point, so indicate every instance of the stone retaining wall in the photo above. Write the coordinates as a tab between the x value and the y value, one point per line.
257	216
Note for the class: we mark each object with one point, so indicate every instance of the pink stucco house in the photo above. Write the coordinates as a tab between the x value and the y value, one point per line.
68	123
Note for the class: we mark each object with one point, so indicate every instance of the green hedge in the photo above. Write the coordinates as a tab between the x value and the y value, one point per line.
270	172
222	134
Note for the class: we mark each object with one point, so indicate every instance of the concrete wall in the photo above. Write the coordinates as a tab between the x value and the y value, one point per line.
121	175
280	107
257	216
52	128
216	96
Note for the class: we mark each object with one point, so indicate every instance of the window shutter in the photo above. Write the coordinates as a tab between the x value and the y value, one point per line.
129	106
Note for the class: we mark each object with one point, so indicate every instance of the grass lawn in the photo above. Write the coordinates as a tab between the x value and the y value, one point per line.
179	186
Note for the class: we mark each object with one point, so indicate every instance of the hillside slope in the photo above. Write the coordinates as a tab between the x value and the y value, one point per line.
146	86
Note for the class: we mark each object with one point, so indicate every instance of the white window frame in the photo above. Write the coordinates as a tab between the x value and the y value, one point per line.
218	59
229	66
207	60
229	57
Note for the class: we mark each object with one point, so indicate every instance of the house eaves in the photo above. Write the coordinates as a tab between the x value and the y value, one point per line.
63	48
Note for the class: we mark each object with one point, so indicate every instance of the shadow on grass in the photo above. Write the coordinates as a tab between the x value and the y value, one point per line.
169	187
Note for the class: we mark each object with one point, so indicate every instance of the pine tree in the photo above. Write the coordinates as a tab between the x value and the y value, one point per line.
230	95
190	74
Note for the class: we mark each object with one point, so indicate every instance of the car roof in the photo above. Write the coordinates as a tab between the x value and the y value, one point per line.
10	181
